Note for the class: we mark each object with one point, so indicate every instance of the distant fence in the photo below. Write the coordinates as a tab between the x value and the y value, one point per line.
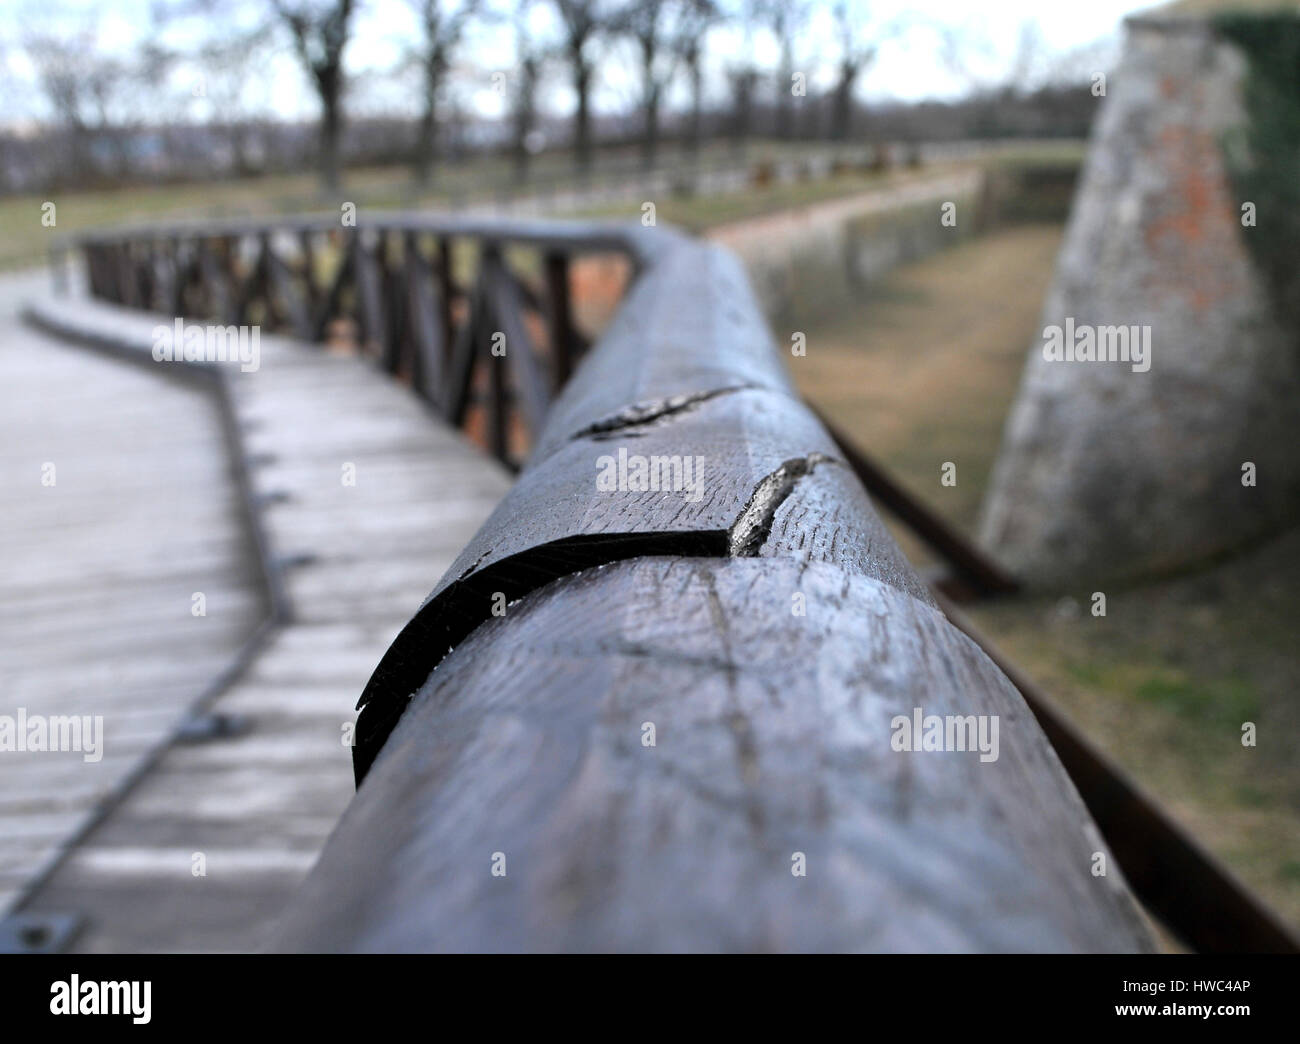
660	701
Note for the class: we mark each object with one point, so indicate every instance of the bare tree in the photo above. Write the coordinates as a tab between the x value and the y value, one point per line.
1027	66
742	73
320	35
785	19
855	55
647	24
83	89
227	64
582	21
697	18
530	58
442	31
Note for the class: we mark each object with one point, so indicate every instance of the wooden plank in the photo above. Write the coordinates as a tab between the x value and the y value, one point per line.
559	314
424	327
772	741
308	251
370	297
532	388
393	286
446	289
465	349
95	599
738	436
260	803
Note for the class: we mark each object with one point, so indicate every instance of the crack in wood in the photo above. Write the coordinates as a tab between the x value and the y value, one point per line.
449	618
641	414
455	613
753	526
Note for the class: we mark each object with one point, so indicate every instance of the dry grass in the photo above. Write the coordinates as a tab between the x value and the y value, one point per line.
922	371
480	179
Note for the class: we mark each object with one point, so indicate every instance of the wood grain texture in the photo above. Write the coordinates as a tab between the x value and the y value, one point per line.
258	803
772	737
686	370
678	605
555	521
100	569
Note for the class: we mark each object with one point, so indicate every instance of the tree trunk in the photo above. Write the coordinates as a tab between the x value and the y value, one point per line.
743	89
426	148
582	118
842	113
520	149
650	133
697	107
785	99
330	134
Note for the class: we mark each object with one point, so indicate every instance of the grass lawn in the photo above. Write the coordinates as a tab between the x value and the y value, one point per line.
478	179
924	367
697	213
923	370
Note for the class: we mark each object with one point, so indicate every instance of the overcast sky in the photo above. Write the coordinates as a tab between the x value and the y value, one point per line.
909	67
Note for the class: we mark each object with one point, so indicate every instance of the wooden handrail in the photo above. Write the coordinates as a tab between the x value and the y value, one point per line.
661	719
686	371
404	310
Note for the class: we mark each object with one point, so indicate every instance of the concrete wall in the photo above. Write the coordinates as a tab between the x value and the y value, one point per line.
1105	471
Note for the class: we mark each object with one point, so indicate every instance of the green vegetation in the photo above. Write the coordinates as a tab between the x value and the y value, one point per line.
1264	158
1223	701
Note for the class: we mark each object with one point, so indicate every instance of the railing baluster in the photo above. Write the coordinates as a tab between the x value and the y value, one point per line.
559	318
507	310
461	365
281	283
447	289
370	296
215	275
329	305
392	280
423	324
307	245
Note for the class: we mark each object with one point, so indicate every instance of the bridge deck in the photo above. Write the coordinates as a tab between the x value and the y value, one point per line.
116	505
258	804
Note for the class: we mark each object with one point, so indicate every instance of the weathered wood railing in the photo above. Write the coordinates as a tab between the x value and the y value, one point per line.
415	298
629	717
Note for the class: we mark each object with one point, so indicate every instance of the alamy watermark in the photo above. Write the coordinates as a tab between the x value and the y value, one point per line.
1084	343
23	732
209	343
634	473
71	996
961	732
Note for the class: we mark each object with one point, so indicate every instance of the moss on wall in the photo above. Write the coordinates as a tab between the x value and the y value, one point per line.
1264	159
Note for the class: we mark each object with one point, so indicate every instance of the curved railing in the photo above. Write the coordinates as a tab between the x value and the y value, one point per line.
681	691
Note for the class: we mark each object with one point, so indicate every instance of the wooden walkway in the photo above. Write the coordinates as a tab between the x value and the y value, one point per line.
249	805
116	506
